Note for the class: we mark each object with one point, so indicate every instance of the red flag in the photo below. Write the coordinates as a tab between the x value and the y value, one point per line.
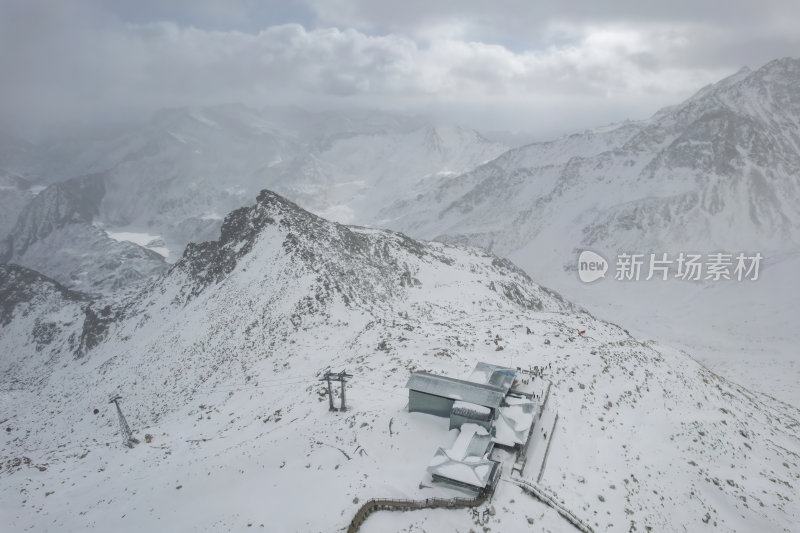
582	331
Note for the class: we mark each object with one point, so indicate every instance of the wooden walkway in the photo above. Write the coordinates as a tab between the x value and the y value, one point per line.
379	504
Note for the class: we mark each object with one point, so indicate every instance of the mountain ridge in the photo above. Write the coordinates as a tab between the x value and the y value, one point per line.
717	146
219	361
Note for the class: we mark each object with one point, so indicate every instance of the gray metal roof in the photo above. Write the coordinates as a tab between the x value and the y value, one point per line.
499	376
456	389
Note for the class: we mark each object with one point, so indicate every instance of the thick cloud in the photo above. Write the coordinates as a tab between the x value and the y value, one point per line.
491	65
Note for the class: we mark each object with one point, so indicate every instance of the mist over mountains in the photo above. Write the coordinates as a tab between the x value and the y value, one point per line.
211	263
715	173
173	180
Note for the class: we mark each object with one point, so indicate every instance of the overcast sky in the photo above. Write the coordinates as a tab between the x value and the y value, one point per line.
544	67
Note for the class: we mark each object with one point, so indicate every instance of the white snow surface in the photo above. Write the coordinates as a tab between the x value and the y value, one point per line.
219	361
146	240
513	422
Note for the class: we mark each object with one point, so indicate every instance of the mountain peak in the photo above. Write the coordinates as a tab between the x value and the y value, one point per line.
276	239
783	63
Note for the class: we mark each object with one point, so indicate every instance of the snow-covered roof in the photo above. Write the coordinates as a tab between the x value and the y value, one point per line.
497	376
465	461
513	422
456	389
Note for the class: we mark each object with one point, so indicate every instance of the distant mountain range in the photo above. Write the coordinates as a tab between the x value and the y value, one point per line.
177	176
720	171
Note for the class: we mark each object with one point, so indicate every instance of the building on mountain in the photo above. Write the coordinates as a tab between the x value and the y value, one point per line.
435	395
470	413
466	462
485	412
478	397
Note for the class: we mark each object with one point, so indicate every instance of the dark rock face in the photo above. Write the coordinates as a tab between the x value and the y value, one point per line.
29	293
95	327
336	253
210	262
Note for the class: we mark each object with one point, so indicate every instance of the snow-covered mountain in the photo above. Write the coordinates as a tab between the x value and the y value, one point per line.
39	314
54	234
218	362
719	172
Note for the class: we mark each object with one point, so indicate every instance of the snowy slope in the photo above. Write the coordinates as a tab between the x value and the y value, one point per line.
719	172
43	323
85	258
744	331
219	362
57	206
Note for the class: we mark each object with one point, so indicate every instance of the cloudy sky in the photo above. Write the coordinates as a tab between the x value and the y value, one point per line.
543	67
